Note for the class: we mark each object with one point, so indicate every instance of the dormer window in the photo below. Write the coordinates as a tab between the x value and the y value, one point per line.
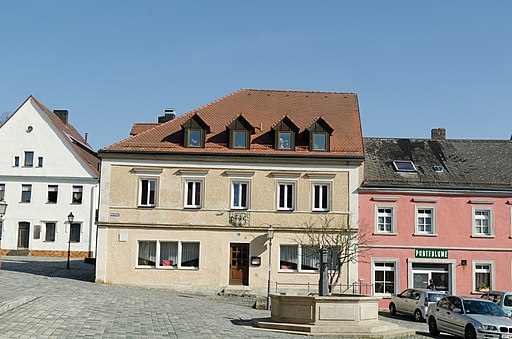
240	131
194	131
319	141
239	139
285	132
194	138
319	135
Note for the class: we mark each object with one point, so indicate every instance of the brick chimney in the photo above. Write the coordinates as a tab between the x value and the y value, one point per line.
169	114
62	114
438	134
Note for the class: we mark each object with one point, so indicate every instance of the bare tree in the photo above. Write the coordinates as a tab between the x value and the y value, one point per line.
346	243
4	116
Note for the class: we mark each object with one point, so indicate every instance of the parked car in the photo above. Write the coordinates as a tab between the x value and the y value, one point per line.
502	299
468	318
414	301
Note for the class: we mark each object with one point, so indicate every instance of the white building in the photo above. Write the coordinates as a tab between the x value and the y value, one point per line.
47	171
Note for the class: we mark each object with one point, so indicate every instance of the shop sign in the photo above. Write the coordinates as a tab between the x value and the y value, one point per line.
431	253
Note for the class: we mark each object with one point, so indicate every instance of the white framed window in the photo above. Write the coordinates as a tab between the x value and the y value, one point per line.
483	276
53	192
240	194
2	191
168	254
304	258
146	253
26	193
29	159
77	196
425	221
483	222
39	161
193	193
286	196
385	276
321	197
75	232
385	219
147	192
16	161
50	231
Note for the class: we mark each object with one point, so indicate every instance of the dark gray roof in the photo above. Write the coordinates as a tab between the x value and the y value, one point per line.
468	164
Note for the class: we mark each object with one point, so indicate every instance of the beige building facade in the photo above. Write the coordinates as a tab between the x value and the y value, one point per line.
198	218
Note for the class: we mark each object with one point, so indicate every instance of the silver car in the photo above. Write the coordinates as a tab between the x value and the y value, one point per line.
414	301
468	318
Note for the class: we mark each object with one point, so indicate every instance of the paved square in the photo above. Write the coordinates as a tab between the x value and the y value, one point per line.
70	305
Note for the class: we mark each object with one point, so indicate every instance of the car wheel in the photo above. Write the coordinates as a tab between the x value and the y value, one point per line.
470	333
418	316
392	309
432	327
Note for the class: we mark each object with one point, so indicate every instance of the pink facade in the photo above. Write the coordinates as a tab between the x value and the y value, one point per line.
462	242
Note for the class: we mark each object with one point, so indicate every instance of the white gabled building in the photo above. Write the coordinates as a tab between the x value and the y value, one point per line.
47	171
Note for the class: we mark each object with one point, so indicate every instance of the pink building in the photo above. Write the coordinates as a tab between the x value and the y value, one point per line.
437	209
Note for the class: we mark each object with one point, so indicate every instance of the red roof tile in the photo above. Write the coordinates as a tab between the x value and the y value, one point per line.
264	109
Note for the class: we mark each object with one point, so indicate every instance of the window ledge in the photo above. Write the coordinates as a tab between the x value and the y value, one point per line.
483	236
285	210
321	211
385	234
297	272
145	207
425	234
192	207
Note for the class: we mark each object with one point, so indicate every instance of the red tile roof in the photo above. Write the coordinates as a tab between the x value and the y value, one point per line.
264	109
74	139
140	127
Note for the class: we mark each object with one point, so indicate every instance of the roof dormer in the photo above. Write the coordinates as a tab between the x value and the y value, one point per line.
240	131
319	135
194	132
285	133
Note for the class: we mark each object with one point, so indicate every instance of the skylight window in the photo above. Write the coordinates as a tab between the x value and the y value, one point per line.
438	169
404	166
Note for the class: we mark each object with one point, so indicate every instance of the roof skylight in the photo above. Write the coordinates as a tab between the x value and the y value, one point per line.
404	166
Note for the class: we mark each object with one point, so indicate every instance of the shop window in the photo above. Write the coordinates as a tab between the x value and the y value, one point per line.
385	220
384	277
171	254
305	258
482	222
288	257
147	253
482	276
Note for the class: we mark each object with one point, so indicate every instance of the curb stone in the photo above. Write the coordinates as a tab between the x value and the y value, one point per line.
12	304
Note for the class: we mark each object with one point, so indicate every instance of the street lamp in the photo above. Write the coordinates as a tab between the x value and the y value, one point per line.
71	217
3	208
270	236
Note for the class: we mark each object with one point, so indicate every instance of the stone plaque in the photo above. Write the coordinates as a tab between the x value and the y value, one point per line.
238	218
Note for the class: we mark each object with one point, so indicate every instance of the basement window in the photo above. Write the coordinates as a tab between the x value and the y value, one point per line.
404	166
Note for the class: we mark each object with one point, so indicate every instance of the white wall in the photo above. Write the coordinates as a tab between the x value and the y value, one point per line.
61	166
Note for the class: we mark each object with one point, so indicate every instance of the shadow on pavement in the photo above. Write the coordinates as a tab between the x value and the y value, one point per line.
50	267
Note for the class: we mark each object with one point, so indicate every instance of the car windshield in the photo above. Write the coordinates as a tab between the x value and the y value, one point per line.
482	307
435	296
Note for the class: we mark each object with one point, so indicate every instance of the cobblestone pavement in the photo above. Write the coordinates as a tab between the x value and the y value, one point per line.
70	305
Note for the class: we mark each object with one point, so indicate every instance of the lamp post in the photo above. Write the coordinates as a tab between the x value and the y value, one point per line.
270	236
3	208
71	217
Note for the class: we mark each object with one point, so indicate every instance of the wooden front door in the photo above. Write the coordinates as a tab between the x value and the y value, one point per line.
239	264
23	234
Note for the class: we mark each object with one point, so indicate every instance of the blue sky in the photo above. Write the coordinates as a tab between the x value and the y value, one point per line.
415	65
